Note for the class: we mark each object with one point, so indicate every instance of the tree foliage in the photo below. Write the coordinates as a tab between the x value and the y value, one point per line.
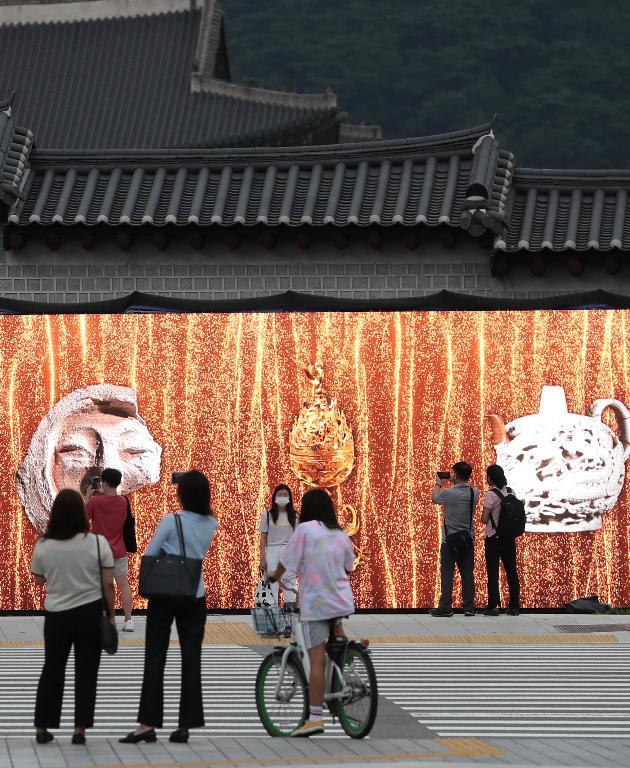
556	72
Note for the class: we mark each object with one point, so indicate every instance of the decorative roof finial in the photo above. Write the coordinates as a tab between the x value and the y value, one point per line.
7	103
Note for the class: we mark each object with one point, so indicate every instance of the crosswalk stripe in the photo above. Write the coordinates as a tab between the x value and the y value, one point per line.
509	691
229	675
464	691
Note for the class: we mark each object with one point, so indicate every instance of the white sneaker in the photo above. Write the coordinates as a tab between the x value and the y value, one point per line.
127	626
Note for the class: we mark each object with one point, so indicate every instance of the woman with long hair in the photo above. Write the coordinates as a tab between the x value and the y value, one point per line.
276	528
498	550
189	614
66	558
322	556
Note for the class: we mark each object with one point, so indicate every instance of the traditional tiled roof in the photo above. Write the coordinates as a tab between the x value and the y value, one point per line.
157	80
15	147
461	179
458	179
568	210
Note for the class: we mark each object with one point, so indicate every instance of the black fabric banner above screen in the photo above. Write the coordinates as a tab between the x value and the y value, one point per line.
290	301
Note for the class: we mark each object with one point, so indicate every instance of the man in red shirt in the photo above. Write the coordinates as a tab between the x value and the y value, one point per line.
107	512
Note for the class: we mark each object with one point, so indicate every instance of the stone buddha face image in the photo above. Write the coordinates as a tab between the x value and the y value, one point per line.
87	430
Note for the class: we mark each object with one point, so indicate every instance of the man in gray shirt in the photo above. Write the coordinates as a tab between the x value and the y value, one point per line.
458	503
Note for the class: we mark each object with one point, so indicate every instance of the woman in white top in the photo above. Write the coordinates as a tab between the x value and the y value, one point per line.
496	549
66	558
276	528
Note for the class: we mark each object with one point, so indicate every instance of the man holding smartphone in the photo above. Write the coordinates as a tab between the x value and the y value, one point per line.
458	536
107	513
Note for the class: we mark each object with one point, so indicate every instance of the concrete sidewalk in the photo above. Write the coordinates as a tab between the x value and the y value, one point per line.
387	628
276	753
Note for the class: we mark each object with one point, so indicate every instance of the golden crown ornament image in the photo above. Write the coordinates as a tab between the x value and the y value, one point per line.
321	447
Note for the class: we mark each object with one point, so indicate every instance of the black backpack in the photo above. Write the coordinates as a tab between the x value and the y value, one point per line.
129	530
587	605
512	518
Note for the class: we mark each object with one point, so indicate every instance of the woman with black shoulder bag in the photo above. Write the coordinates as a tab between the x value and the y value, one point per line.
78	568
171	577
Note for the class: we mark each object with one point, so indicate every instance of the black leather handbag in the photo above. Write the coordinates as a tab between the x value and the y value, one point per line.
170	575
109	634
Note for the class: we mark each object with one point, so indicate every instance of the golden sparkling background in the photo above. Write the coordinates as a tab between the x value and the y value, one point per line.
220	392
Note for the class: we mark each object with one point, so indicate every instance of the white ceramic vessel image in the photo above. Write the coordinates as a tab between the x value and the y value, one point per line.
569	469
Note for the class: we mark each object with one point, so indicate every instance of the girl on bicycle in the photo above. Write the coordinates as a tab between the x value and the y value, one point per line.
322	556
276	528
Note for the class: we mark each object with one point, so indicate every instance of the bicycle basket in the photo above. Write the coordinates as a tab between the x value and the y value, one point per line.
268	621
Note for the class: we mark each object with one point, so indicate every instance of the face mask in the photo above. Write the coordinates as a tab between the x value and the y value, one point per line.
282	501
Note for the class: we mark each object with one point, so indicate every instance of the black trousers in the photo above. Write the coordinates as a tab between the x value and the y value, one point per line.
190	619
465	565
497	551
80	627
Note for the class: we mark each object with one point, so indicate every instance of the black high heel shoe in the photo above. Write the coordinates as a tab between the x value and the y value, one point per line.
134	738
45	737
78	738
179	736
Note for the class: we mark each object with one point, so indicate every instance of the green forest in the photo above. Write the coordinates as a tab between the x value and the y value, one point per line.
555	72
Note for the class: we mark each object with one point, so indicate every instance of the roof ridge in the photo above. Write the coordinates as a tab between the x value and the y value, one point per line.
361	131
315	153
89	10
571	173
203	84
209	39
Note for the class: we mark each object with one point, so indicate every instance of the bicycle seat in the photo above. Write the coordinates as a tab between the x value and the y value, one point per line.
336	648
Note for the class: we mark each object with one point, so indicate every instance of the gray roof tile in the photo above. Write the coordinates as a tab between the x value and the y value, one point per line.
428	180
568	210
127	83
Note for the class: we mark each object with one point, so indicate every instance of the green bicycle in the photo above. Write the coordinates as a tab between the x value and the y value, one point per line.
351	692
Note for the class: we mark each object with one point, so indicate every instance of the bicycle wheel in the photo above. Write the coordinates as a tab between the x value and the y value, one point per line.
357	710
283	713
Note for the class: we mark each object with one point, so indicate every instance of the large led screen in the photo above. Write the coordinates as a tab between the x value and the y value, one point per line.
368	405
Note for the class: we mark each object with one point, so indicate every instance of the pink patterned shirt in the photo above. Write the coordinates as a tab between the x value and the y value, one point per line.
492	502
321	557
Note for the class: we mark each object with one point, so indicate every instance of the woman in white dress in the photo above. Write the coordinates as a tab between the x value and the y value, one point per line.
276	528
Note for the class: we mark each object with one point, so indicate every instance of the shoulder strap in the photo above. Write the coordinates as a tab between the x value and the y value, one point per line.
180	535
501	496
100	567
